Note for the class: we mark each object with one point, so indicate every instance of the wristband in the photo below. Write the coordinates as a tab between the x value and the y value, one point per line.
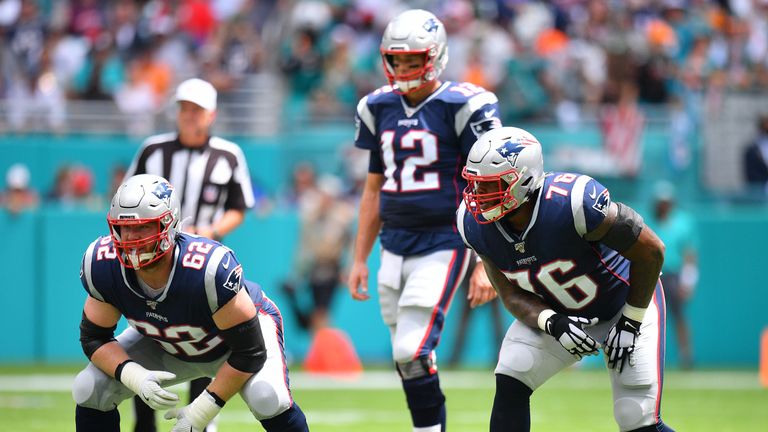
543	317
219	401
119	369
634	312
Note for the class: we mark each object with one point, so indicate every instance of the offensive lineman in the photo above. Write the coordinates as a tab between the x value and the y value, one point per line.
574	268
191	314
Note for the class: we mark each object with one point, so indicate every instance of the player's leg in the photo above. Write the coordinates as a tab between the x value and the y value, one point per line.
527	359
267	393
430	283
97	394
144	416
637	389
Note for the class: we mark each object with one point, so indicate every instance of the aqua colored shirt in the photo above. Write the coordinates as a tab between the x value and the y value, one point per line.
679	235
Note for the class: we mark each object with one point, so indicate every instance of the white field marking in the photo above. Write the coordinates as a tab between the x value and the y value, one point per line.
384	380
351	417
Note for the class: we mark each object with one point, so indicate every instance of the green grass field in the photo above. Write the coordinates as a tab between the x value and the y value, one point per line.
38	399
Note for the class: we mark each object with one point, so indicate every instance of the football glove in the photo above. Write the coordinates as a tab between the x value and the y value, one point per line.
569	331
146	384
195	416
620	342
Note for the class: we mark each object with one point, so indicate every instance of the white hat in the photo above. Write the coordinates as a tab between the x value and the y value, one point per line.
17	176
198	92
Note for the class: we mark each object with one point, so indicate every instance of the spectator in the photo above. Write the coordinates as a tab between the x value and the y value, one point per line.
756	158
680	273
326	221
18	195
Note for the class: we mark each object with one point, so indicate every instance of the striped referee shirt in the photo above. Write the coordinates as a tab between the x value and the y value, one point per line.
212	178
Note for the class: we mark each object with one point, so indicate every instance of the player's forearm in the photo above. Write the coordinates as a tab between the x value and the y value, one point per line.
646	258
228	381
108	357
524	305
368	225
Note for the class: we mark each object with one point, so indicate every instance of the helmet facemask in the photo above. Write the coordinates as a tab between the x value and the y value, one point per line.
411	81
498	203
134	254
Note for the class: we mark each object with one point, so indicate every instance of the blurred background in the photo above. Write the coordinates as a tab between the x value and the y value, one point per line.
660	100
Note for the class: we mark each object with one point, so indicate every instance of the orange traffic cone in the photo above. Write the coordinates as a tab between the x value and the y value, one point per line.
764	358
332	352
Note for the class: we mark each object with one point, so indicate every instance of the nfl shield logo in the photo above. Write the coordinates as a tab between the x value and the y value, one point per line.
152	304
520	247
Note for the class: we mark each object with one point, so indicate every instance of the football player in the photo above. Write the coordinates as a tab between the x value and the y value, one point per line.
191	314
576	269
419	131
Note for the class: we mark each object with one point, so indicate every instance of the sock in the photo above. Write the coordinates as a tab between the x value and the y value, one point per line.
425	401
658	427
291	420
93	420
144	415
511	406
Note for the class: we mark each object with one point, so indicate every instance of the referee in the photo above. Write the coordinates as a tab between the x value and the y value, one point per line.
212	176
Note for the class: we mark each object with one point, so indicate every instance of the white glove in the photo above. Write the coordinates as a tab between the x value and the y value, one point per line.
620	342
146	384
569	331
195	416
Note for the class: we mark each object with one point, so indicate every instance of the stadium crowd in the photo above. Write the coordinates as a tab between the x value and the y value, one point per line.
560	59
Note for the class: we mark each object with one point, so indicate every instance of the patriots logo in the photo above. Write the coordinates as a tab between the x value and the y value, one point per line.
602	202
233	280
430	25
163	190
510	151
484	125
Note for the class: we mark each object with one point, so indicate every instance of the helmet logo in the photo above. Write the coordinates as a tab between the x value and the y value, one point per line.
430	25
163	191
510	151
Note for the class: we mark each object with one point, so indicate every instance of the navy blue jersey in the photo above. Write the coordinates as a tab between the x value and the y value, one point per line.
421	151
551	258
205	276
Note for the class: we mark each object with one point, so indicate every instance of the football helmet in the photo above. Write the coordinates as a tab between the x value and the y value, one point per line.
510	162
414	31
139	200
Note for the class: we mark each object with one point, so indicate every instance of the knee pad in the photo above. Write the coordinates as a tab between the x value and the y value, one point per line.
264	400
82	388
421	367
629	414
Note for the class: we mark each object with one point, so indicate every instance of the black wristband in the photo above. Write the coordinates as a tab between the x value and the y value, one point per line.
119	369
219	401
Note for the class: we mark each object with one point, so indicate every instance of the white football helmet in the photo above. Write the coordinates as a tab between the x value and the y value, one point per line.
415	31
510	162
142	199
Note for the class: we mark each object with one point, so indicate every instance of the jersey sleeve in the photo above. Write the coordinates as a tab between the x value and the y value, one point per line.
479	115
223	278
365	127
92	269
589	202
